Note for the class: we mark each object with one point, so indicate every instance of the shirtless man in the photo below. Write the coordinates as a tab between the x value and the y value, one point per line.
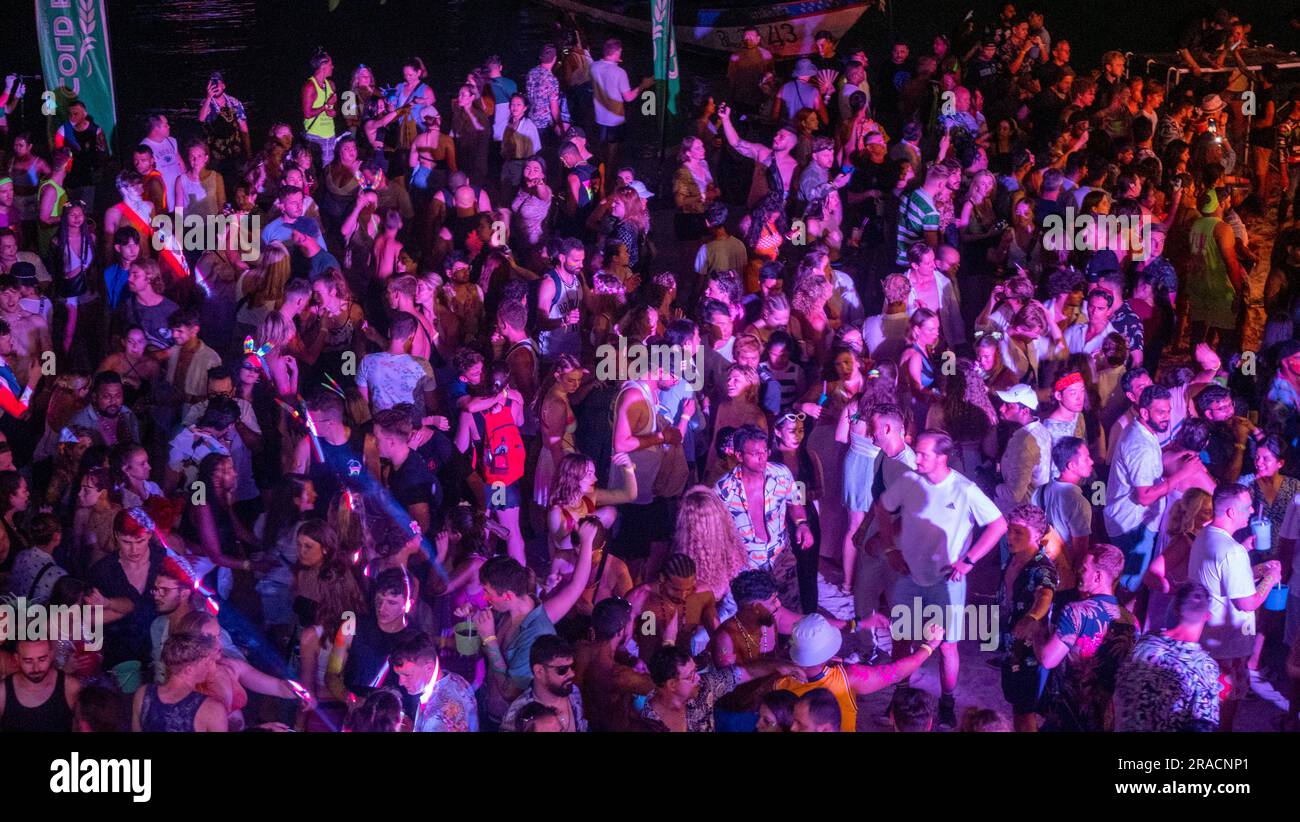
674	596
31	334
778	156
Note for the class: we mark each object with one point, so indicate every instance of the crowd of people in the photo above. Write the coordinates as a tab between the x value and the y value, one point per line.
407	468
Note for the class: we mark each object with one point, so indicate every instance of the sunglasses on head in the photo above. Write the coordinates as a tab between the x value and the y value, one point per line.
797	416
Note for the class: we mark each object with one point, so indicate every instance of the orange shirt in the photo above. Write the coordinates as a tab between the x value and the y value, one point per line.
836	680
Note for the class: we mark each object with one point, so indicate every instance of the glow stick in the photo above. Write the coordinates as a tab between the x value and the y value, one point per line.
427	694
311	430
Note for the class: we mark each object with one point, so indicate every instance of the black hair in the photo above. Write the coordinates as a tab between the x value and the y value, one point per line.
910	709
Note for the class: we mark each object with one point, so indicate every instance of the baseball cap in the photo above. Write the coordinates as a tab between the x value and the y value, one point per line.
1021	394
813	641
1102	263
639	187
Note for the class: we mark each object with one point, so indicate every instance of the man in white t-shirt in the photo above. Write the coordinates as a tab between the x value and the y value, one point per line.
611	91
892	458
1222	565
1136	490
932	550
166	154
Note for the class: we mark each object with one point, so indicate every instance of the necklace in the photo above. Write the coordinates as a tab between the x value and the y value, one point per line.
755	649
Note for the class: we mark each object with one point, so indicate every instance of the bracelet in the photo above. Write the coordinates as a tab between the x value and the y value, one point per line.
928	650
487	639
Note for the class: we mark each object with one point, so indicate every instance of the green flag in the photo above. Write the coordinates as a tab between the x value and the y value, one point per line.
73	36
665	55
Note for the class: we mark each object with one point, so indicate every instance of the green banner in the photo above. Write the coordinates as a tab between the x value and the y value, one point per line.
665	54
73	35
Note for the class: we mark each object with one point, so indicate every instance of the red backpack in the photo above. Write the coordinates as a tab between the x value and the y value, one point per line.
503	447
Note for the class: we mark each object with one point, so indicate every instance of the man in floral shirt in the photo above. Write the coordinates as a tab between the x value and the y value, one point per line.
446	701
1170	683
543	91
757	494
1080	628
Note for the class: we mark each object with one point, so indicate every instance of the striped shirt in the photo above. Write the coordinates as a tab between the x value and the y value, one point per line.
916	215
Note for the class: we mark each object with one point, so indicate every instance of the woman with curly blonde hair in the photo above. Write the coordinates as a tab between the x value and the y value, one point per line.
706	533
1184	521
808	320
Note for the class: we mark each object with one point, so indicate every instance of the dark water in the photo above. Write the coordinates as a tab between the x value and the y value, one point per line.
163	50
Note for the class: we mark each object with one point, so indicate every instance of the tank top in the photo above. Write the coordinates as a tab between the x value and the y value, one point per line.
157	716
321	125
645	461
51	715
927	367
835	680
564	340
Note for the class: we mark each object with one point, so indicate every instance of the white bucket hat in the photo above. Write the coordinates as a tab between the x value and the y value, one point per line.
813	641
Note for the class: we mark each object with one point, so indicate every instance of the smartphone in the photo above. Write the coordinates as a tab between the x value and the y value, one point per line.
1213	126
847	168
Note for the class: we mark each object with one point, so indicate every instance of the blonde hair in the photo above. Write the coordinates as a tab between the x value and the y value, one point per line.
274	329
1185	517
153	274
750	391
811	293
707	534
897	287
773	303
271	274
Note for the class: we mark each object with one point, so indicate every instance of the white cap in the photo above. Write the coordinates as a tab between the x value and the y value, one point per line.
813	641
1021	394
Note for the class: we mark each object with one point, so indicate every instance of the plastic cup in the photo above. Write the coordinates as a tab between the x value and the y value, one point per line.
129	676
467	639
1263	531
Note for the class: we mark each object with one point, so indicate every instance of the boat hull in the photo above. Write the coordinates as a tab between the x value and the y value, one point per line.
787	29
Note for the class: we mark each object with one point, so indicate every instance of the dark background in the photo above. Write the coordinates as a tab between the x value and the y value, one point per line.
163	50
